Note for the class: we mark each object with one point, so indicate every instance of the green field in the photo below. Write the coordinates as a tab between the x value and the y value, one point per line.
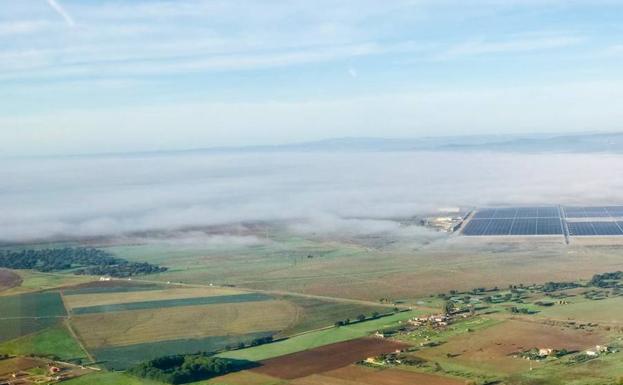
32	305
55	341
27	313
608	311
251	297
18	327
604	370
109	378
318	338
318	313
123	357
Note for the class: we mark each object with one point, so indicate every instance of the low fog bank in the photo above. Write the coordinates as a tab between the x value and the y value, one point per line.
112	196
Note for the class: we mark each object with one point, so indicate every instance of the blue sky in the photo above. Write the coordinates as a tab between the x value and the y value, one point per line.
81	76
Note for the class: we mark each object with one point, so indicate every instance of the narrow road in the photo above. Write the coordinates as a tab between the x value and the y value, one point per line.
72	331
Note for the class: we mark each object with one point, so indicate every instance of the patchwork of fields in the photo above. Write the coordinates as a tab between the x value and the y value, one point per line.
318	338
121	323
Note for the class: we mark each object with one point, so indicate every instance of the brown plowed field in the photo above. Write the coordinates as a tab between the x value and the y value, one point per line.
326	358
356	375
13	365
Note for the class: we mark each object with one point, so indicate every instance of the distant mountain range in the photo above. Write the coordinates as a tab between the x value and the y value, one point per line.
572	143
534	143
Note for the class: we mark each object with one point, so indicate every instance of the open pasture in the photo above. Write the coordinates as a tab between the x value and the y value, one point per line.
55	341
607	311
112	298
152	325
491	350
33	281
315	313
12	328
401	269
326	358
110	378
357	375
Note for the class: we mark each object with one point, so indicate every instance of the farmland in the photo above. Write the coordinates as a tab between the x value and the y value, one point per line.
54	341
150	325
109	378
167	303
27	313
114	286
122	357
306	285
370	269
607	311
317	338
325	358
490	350
315	313
79	299
33	281
357	375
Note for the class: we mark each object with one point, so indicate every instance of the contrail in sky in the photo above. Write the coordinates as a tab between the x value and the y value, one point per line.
61	11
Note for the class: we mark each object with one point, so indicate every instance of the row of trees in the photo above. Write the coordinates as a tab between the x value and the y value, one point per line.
84	260
360	318
607	279
181	369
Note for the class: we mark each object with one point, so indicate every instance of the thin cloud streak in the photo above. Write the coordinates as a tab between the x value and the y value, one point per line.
62	12
516	45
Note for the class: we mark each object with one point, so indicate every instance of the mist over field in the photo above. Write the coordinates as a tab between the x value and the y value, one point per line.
338	192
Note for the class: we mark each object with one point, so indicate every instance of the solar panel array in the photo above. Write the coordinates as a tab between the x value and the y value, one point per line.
516	221
593	212
595	228
547	220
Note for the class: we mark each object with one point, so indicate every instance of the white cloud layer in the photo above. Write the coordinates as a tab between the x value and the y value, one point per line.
341	193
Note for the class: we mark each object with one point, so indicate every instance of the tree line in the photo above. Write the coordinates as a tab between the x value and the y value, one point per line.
84	261
181	369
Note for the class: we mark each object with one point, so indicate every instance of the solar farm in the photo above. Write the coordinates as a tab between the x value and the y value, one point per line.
546	221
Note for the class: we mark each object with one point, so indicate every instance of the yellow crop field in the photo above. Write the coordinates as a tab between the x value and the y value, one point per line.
152	325
99	299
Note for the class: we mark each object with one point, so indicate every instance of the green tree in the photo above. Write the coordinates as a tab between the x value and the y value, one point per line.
448	307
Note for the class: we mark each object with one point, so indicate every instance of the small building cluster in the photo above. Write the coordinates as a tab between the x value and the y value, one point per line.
599	349
434	320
